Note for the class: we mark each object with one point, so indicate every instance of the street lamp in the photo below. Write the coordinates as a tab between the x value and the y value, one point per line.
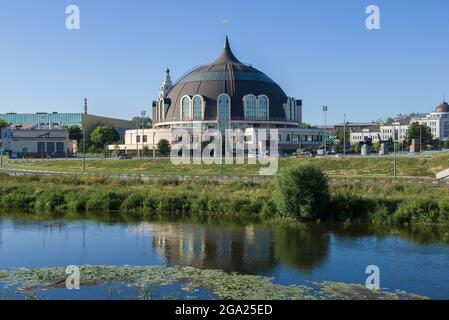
143	113
325	123
394	150
344	135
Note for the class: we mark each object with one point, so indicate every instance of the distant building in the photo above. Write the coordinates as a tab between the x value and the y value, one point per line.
36	143
56	120
357	126
437	121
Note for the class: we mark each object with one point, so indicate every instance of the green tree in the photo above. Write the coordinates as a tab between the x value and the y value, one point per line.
3	123
103	135
376	146
340	134
356	148
146	151
302	191
163	146
147	122
417	131
75	133
446	144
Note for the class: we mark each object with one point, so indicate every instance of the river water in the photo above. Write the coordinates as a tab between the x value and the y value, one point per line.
411	259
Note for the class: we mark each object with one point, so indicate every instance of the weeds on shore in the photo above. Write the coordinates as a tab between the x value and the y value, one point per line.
391	204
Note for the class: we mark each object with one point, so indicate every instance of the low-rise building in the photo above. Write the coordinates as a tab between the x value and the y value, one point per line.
36	143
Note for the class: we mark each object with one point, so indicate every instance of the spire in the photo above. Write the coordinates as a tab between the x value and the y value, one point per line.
226	55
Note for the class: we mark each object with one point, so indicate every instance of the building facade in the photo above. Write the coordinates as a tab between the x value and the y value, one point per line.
437	121
225	94
36	143
56	120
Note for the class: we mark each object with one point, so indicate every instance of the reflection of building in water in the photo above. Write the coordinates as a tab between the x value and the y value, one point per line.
229	249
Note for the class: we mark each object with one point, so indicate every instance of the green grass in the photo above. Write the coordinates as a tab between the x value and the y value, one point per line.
392	203
426	166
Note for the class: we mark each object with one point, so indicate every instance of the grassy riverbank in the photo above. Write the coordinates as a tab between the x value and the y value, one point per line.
389	204
417	166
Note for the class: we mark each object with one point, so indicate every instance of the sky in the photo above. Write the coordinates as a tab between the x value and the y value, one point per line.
319	51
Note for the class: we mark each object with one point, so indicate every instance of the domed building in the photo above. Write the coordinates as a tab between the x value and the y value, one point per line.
437	121
225	94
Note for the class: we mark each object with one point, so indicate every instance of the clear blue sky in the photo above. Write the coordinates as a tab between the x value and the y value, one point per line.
319	51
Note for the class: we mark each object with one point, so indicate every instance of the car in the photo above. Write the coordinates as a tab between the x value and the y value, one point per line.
124	156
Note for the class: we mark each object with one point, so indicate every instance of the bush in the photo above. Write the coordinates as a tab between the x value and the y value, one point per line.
302	191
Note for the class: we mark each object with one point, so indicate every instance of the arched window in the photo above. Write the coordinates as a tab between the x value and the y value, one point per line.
185	106
250	107
263	108
223	112
197	108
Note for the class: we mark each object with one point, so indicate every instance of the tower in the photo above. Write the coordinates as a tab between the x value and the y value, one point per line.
166	85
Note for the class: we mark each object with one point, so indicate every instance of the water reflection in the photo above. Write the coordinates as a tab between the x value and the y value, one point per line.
412	256
245	249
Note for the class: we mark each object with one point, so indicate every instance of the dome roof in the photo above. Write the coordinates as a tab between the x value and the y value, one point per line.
225	75
442	107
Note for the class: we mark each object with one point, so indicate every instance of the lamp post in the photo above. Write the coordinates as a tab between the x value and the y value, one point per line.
143	113
344	135
84	136
394	150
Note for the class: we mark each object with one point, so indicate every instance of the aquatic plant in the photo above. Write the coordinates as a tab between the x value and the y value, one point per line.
220	284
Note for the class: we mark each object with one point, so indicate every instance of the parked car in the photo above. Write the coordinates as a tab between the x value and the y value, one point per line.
124	156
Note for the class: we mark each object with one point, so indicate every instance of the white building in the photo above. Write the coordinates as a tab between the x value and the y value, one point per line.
437	121
36	142
225	94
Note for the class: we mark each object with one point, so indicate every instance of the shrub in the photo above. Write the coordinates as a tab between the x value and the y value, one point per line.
302	191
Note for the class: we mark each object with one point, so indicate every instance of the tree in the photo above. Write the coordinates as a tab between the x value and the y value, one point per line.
340	134
419	131
75	133
376	146
357	148
302	191
306	126
446	144
103	135
163	146
147	122
3	123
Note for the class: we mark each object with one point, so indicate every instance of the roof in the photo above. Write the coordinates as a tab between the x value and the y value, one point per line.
442	107
229	75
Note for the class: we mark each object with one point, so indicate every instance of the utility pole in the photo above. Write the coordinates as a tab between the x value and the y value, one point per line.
420	138
394	150
143	114
325	124
84	136
344	135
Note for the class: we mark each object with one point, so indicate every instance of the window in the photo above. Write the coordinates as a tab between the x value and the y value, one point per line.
50	147
279	137
185	108
60	147
287	138
250	107
224	107
145	138
263	108
40	147
197	108
137	138
295	137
